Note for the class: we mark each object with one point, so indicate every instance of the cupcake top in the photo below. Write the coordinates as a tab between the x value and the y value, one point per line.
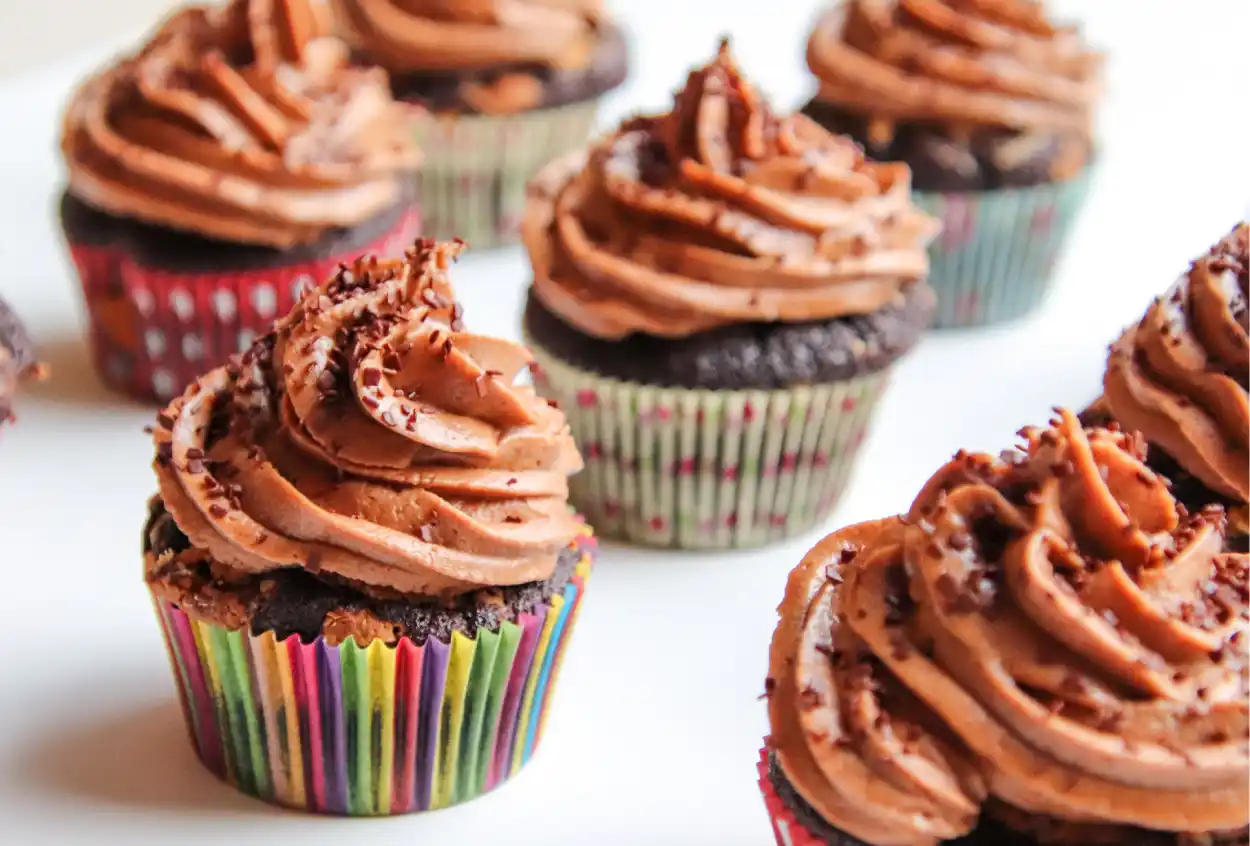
962	65
242	123
1049	630
370	438
721	212
496	58
1180	375
17	358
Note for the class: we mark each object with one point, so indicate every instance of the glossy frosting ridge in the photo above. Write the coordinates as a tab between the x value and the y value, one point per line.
721	212
1048	630
244	123
1179	376
371	438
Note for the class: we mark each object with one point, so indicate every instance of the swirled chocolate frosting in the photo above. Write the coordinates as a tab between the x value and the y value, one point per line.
370	437
1180	375
721	212
959	64
1047	630
243	123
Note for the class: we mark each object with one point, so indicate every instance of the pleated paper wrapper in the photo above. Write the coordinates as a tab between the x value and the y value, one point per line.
471	183
995	259
153	330
377	729
701	469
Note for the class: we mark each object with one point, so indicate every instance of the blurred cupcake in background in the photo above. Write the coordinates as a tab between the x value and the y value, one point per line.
362	554
506	88
719	294
1180	378
992	107
17	359
235	158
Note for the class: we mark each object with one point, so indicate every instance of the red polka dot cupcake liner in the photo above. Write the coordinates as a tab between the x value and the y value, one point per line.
154	330
996	257
702	469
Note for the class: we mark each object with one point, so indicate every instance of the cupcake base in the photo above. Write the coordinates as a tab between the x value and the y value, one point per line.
996	257
700	469
164	307
341	728
733	438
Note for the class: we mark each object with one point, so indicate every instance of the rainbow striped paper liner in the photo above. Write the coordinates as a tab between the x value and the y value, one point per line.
370	730
996	256
471	183
701	469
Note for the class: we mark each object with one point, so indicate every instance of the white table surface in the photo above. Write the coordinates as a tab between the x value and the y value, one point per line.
656	725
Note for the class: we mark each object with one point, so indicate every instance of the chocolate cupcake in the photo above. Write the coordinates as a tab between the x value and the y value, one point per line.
504	90
234	159
1179	377
17	359
719	294
362	554
1046	649
991	106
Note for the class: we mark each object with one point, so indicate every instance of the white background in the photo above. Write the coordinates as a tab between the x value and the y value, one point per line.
656	726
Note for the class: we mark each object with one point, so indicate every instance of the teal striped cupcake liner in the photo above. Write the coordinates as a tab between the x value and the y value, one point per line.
702	469
471	183
996	256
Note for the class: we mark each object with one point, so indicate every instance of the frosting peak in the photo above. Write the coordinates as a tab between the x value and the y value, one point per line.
372	437
958	63
243	123
720	212
1050	629
1180	375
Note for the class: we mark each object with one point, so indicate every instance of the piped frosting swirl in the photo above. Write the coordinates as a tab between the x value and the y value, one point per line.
435	35
1048	630
721	212
371	437
1180	376
962	64
243	123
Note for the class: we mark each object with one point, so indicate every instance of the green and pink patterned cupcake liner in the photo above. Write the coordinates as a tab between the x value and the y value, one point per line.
471	183
700	469
374	729
996	257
